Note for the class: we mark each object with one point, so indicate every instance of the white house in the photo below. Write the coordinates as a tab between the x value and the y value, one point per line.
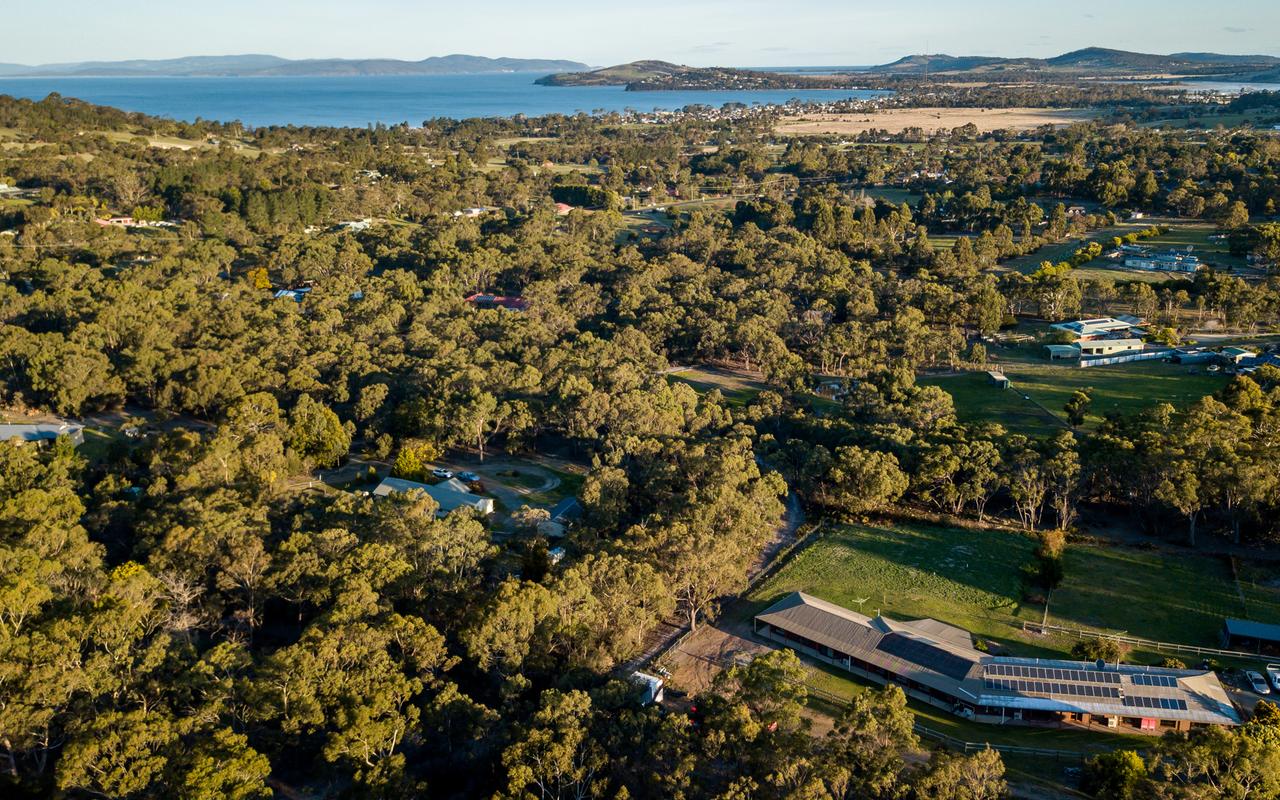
1171	261
1109	347
448	495
1097	348
1098	327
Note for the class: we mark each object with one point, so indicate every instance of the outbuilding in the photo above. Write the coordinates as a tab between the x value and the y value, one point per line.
1245	634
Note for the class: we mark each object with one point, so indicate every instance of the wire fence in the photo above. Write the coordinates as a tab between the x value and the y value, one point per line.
1136	641
962	746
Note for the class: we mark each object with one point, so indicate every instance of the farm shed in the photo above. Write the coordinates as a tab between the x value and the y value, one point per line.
1244	634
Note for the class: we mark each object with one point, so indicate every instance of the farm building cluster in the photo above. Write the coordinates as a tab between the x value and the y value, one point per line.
939	664
1103	340
1138	256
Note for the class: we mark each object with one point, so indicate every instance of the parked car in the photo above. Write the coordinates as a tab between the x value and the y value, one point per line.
1273	673
1258	682
442	473
469	477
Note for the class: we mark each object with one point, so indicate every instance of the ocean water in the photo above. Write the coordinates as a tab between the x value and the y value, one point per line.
391	99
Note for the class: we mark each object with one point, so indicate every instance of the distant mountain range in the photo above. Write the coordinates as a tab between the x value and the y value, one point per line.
1095	61
649	76
254	65
1091	62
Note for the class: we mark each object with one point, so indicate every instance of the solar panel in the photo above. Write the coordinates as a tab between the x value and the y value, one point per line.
1161	703
925	655
1052	688
1052	673
1155	680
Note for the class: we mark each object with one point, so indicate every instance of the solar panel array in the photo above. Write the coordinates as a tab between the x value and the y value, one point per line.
925	655
1053	673
1053	688
1168	681
1162	703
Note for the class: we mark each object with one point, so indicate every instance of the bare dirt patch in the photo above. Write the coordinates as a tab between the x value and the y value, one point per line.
896	120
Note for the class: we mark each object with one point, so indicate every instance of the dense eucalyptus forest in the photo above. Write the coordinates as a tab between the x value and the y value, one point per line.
178	619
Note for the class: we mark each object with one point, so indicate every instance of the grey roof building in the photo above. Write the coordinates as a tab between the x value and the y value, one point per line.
938	663
448	495
42	431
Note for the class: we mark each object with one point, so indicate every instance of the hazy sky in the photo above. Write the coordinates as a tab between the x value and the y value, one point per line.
700	32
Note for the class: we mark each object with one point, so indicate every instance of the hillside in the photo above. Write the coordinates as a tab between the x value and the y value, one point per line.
1089	62
255	65
640	76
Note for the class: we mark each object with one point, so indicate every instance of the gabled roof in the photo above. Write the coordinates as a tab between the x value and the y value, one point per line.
942	656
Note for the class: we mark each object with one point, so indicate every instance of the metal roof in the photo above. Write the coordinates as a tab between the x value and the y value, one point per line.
38	431
1252	630
446	497
942	657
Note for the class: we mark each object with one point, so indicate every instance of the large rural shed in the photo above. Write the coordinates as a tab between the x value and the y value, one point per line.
1245	634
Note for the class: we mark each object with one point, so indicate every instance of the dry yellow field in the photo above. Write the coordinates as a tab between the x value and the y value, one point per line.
932	119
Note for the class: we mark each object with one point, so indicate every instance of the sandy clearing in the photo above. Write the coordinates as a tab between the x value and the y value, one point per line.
932	119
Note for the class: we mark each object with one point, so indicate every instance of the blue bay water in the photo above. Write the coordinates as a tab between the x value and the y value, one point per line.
391	99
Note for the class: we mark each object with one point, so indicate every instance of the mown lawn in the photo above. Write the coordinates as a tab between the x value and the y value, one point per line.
1118	389
738	390
972	579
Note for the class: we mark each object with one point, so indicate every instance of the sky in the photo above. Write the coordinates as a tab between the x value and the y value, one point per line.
603	32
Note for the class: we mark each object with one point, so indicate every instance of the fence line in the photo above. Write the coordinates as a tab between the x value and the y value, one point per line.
1011	749
1042	628
1149	355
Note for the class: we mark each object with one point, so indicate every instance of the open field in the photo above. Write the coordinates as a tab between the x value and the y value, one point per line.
738	388
1118	389
1181	233
973	579
930	119
1061	251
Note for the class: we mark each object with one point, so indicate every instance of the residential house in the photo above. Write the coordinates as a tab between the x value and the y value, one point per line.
1169	261
1237	355
1099	327
449	495
42	432
938	664
296	295
511	303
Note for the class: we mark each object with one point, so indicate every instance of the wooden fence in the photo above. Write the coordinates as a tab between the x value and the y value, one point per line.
1137	641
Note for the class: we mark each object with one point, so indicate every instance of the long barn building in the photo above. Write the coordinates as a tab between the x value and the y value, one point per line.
938	663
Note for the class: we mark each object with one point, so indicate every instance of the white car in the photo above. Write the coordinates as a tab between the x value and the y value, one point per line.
442	473
1258	682
1273	673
